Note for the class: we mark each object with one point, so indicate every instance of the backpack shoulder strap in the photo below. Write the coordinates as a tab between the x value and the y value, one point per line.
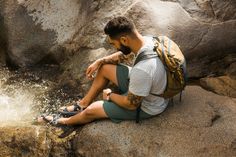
147	54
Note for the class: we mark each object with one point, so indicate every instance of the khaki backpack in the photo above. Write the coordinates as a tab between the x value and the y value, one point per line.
173	61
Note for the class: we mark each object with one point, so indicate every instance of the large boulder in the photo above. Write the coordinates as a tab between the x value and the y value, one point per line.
207	40
183	21
83	20
203	29
202	40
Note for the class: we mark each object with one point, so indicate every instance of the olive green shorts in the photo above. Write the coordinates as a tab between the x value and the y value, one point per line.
115	112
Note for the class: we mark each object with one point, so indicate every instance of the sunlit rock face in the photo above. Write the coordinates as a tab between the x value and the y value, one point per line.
201	28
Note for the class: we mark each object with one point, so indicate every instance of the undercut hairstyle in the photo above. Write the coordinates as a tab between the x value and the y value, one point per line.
119	26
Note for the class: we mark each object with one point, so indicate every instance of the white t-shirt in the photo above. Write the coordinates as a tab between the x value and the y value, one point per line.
149	76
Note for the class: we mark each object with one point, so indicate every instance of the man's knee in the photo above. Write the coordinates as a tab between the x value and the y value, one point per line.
89	111
93	110
106	68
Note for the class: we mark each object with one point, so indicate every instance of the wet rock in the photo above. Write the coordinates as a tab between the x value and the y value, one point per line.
34	141
24	141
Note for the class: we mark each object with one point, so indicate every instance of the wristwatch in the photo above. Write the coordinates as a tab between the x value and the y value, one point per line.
108	96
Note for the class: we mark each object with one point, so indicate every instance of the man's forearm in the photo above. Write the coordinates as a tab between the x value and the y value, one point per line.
122	101
114	58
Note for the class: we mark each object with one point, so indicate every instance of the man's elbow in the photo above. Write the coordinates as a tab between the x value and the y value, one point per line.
132	107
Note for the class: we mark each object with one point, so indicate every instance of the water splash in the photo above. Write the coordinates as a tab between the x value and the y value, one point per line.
17	102
23	96
27	93
15	108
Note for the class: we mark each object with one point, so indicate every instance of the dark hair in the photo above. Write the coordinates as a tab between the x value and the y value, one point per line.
119	26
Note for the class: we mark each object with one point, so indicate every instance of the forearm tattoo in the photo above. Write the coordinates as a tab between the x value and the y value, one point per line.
109	61
120	59
134	99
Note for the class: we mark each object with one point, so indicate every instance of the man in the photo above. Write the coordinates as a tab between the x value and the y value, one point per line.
135	84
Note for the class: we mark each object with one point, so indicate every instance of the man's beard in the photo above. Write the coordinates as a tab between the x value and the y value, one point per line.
124	49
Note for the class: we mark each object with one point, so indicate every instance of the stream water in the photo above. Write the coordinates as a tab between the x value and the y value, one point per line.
27	93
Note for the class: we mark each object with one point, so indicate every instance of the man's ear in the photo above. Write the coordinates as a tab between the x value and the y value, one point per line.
124	40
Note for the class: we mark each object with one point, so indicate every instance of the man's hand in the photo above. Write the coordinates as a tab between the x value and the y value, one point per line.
114	58
106	94
90	72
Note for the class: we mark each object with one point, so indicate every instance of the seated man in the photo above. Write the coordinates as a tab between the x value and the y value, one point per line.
135	84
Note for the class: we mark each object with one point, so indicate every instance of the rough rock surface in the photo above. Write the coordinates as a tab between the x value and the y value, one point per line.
2	57
203	124
27	43
23	141
33	141
223	85
2	42
213	66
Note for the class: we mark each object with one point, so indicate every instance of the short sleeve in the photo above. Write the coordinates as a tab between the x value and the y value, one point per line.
140	82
